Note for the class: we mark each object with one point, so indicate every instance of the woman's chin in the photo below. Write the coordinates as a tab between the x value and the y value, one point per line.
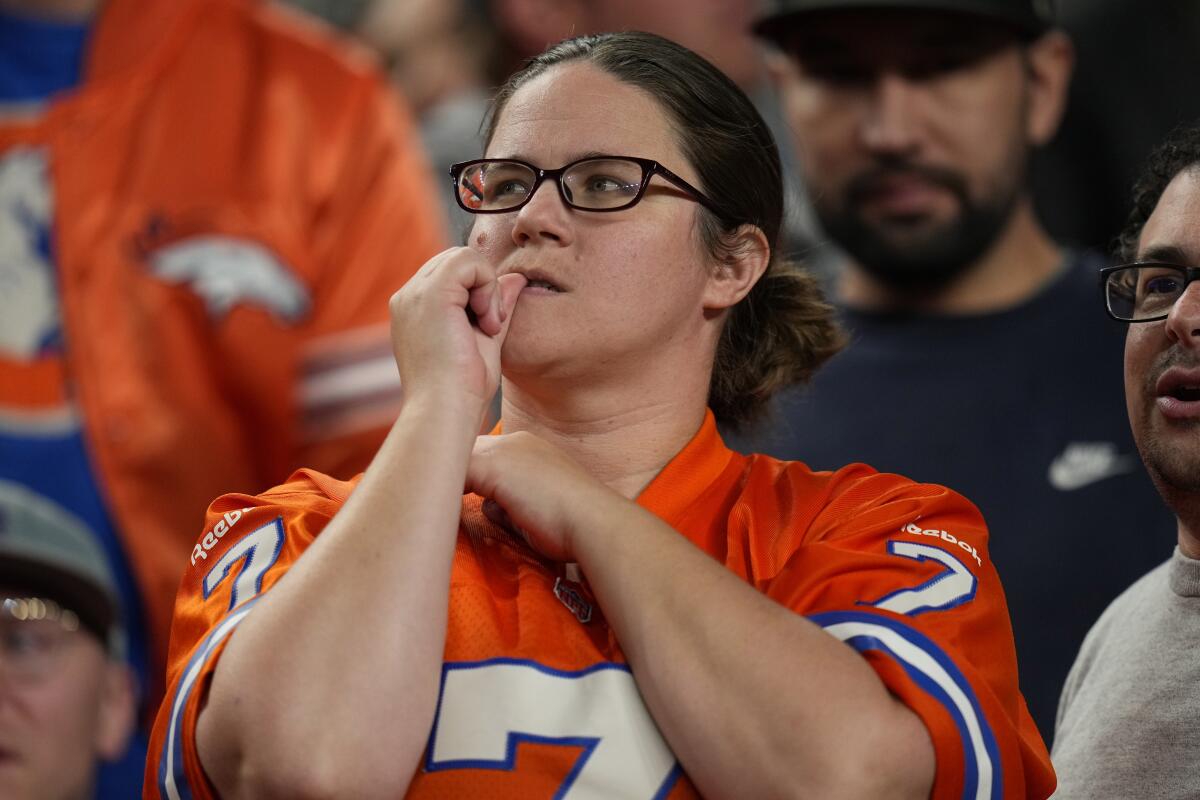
523	360
527	346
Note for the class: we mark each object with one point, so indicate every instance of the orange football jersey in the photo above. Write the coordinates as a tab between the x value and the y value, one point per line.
536	699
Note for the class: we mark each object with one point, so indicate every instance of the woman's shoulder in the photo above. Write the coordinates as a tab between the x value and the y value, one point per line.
306	495
798	476
310	484
827	499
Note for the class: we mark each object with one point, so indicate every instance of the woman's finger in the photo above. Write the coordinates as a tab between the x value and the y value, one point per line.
510	290
484	303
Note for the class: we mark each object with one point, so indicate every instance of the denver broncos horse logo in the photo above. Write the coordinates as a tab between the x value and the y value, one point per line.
29	318
227	271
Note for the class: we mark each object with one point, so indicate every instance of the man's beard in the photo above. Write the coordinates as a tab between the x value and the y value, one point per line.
914	260
1174	466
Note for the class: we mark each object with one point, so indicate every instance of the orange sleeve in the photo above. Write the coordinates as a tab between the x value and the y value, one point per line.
900	572
378	223
248	543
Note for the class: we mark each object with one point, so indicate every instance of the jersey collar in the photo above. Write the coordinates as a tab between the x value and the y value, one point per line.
688	475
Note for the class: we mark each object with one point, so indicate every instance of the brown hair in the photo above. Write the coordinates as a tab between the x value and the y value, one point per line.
783	330
1179	152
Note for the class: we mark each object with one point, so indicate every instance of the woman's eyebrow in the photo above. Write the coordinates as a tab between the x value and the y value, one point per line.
520	156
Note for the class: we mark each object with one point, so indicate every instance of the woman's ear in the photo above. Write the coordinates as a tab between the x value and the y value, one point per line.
745	254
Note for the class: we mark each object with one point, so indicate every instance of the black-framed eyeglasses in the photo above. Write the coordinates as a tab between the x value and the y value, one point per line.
1144	291
596	183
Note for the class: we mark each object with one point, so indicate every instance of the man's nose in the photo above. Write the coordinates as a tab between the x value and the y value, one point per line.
889	126
1183	321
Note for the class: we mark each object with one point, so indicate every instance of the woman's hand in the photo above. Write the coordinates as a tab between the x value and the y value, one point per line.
448	324
542	491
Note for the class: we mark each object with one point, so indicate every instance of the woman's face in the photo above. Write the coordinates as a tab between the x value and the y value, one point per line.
628	285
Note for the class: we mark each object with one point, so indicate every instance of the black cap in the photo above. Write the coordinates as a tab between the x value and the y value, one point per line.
1031	17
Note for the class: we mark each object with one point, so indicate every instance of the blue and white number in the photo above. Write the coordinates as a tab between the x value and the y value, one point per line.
952	587
259	548
488	708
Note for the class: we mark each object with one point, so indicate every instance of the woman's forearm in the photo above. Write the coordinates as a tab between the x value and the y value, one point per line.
328	687
755	700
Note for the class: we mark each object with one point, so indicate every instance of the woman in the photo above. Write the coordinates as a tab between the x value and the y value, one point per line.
594	646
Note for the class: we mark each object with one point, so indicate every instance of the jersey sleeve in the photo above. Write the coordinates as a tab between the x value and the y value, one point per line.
247	545
378	222
900	572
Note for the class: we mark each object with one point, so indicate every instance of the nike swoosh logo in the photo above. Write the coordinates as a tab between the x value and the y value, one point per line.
1084	463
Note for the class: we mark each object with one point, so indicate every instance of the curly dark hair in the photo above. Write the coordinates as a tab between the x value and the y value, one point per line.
783	330
1180	151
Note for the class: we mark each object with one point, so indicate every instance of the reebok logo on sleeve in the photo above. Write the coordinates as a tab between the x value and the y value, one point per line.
210	539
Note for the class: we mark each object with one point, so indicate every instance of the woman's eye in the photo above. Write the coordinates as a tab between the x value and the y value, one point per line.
602	184
508	188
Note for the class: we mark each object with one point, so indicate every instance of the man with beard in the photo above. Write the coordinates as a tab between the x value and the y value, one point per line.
1128	722
976	359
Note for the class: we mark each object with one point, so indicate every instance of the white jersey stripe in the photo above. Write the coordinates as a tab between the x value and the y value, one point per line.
172	778
864	633
346	382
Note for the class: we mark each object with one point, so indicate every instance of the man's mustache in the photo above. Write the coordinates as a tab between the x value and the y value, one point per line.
1174	356
873	180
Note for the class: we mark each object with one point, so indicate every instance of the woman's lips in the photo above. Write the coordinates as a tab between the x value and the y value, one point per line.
538	282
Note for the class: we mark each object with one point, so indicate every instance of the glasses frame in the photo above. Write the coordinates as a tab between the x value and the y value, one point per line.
1189	274
650	168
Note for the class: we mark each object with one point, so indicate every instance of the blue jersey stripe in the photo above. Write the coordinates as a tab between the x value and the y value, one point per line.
931	669
172	779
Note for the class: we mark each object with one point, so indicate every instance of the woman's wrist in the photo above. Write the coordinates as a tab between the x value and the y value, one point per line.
441	420
596	521
450	407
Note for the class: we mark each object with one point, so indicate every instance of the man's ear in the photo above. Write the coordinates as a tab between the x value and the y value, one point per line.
1050	60
779	67
745	256
115	718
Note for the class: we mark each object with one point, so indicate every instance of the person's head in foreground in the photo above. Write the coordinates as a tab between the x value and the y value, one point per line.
915	121
649	245
603	600
66	696
1153	291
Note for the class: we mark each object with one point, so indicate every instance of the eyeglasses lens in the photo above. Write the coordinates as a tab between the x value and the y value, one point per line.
495	185
28	648
32	633
603	183
1144	292
595	183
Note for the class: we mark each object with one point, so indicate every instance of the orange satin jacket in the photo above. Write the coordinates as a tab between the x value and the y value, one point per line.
236	196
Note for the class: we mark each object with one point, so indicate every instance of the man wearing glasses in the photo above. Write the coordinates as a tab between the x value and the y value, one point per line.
1128	721
66	693
975	358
